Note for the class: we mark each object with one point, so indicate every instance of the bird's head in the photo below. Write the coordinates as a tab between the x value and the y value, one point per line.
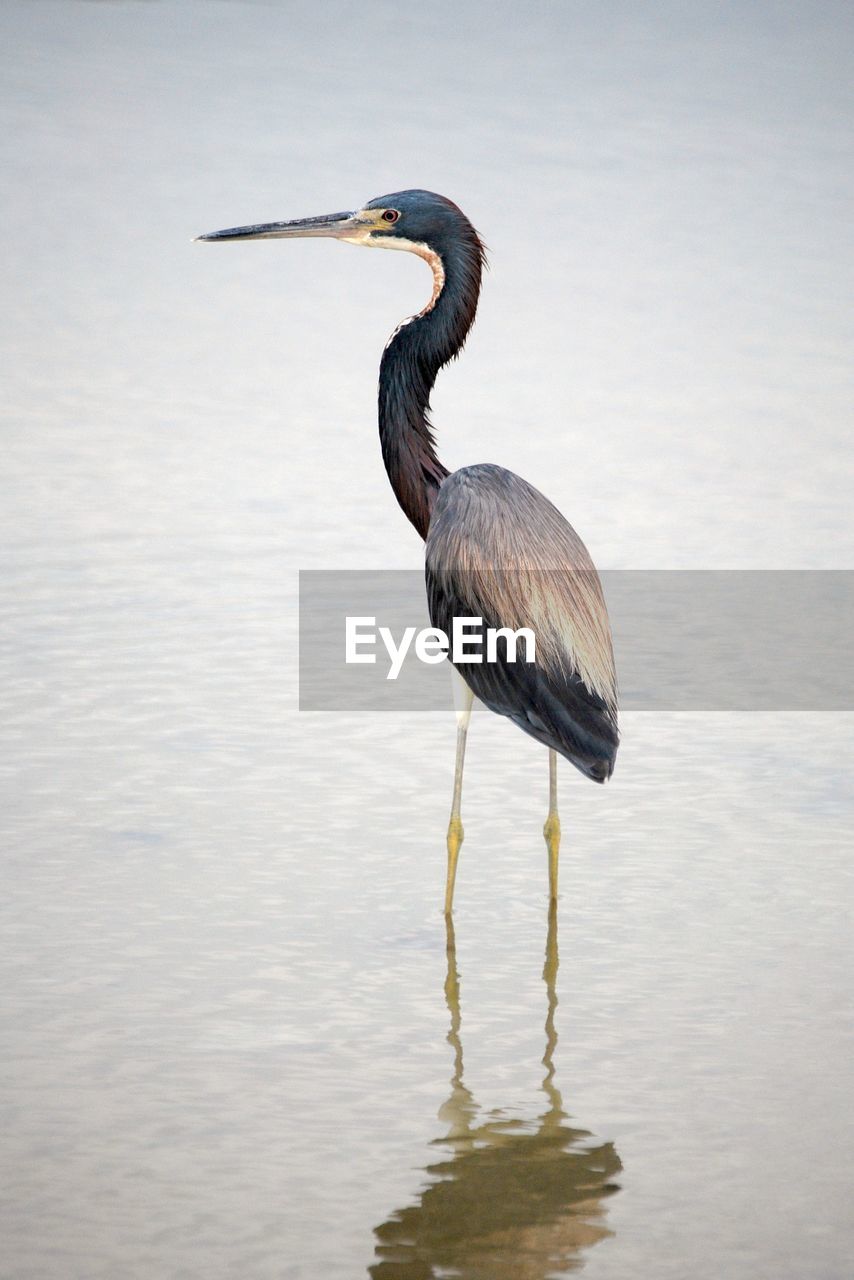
419	221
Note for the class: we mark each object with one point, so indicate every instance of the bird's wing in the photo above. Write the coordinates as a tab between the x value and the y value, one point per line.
497	549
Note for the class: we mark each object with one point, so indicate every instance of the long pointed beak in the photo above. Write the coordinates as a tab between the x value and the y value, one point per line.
339	225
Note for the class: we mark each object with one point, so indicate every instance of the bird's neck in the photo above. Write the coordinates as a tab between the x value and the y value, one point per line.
414	355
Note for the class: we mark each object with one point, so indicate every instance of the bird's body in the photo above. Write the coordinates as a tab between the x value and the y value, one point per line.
496	548
499	550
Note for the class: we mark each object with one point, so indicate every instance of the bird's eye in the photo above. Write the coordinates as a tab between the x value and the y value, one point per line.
391	215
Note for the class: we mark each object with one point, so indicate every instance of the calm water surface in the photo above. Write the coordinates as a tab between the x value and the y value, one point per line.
237	1039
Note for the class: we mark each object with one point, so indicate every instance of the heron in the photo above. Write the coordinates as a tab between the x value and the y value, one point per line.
495	547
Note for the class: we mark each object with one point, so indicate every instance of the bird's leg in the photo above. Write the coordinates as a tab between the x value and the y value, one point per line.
455	826
551	830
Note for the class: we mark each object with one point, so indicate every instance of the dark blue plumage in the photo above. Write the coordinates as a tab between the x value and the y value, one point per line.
485	517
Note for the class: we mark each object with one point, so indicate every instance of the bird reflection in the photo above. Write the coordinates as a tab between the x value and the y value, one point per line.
514	1199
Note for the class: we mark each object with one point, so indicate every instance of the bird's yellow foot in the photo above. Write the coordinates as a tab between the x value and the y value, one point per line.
455	839
551	831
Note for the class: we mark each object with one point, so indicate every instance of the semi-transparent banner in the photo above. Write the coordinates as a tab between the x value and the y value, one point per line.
684	640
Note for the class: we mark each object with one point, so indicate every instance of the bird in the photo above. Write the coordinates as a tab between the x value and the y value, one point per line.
495	547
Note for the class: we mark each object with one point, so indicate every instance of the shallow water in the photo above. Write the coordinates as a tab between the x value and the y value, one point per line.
236	1040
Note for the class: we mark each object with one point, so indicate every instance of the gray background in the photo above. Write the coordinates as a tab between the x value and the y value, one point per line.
224	1041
